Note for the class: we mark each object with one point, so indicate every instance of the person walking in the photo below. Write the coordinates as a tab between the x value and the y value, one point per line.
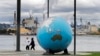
32	44
27	43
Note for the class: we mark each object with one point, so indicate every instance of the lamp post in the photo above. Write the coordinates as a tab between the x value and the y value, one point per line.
18	25
47	8
74	27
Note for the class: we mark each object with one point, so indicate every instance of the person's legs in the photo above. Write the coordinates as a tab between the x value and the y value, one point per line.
27	47
31	47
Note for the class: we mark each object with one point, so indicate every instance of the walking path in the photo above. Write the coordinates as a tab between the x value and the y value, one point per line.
35	53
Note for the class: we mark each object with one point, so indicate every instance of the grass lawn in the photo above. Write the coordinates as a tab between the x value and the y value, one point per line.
93	54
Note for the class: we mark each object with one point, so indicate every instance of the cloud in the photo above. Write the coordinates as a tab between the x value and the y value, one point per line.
33	2
87	9
7	7
84	6
36	6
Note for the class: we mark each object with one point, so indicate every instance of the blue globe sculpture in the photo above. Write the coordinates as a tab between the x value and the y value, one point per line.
54	34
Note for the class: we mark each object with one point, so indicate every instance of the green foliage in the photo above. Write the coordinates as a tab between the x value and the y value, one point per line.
93	54
4	31
11	31
99	30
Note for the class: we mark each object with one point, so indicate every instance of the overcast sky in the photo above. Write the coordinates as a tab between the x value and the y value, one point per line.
86	9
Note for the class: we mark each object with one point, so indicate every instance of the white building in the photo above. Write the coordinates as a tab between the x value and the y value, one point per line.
29	22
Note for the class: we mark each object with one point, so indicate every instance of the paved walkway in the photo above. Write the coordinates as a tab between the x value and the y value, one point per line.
34	53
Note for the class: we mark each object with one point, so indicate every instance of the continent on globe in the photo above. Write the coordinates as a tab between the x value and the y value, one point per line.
56	37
